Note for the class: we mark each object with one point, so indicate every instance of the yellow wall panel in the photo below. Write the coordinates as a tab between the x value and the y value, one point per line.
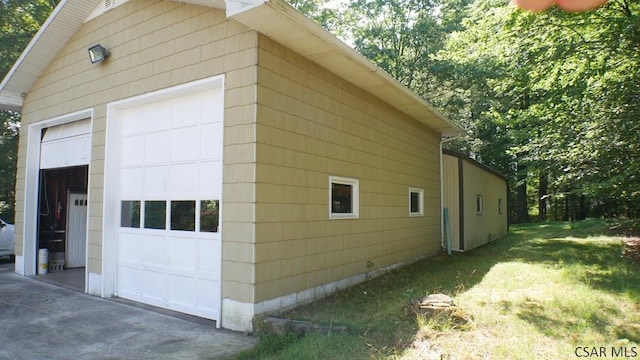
155	45
490	224
311	125
238	290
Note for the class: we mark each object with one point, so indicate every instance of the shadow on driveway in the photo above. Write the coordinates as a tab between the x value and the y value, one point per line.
42	321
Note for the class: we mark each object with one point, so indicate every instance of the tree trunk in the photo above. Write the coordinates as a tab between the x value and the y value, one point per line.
567	200
522	210
583	208
543	185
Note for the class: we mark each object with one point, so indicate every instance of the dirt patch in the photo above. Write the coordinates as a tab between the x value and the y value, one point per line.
632	248
631	239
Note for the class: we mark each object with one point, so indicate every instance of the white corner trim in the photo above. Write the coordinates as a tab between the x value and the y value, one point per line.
94	284
19	265
237	316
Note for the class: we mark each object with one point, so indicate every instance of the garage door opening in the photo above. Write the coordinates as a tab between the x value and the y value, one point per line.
163	215
62	225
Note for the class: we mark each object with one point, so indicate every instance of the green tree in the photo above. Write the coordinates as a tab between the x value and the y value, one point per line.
564	87
19	22
550	99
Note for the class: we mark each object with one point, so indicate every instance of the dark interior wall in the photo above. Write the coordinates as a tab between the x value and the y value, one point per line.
54	187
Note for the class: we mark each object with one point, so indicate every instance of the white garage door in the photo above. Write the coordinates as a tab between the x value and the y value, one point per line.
66	145
170	184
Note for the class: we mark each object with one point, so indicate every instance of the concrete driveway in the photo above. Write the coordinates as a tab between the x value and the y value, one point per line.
43	321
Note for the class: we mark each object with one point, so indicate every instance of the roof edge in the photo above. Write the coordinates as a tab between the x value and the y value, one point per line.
305	23
26	51
237	6
35	52
463	156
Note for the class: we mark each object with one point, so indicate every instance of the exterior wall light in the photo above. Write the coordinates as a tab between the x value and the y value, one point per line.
98	53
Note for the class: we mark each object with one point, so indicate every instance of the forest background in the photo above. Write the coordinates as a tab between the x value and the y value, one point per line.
551	100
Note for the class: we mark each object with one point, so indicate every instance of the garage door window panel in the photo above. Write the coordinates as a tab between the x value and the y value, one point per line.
183	215
209	215
155	215
130	214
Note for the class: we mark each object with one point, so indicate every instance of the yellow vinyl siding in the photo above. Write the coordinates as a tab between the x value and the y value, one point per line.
469	229
156	45
490	225
312	125
451	199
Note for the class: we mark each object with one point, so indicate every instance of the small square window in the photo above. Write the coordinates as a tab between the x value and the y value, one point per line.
209	215
183	215
155	214
343	198
479	205
416	199
130	214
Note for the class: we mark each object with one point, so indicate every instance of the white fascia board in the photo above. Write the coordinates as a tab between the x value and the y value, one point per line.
286	25
10	101
237	6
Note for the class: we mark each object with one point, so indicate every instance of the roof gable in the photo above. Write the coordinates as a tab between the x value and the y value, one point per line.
273	18
61	25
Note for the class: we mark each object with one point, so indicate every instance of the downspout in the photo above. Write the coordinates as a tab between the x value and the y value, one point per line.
443	242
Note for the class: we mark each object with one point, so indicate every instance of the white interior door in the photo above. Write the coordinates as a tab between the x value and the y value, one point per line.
76	244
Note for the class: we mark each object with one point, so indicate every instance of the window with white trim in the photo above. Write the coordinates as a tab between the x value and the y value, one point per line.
479	205
416	202
344	198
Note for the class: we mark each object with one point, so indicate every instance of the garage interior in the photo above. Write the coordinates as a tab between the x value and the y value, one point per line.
62	225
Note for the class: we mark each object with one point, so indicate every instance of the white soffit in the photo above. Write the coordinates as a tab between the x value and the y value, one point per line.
105	5
61	25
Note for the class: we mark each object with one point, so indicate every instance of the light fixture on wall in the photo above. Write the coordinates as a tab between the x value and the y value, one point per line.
98	53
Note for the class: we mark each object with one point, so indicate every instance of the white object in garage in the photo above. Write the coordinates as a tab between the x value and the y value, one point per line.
76	244
6	238
66	145
170	150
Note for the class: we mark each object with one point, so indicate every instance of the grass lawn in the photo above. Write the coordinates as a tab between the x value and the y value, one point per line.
546	291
